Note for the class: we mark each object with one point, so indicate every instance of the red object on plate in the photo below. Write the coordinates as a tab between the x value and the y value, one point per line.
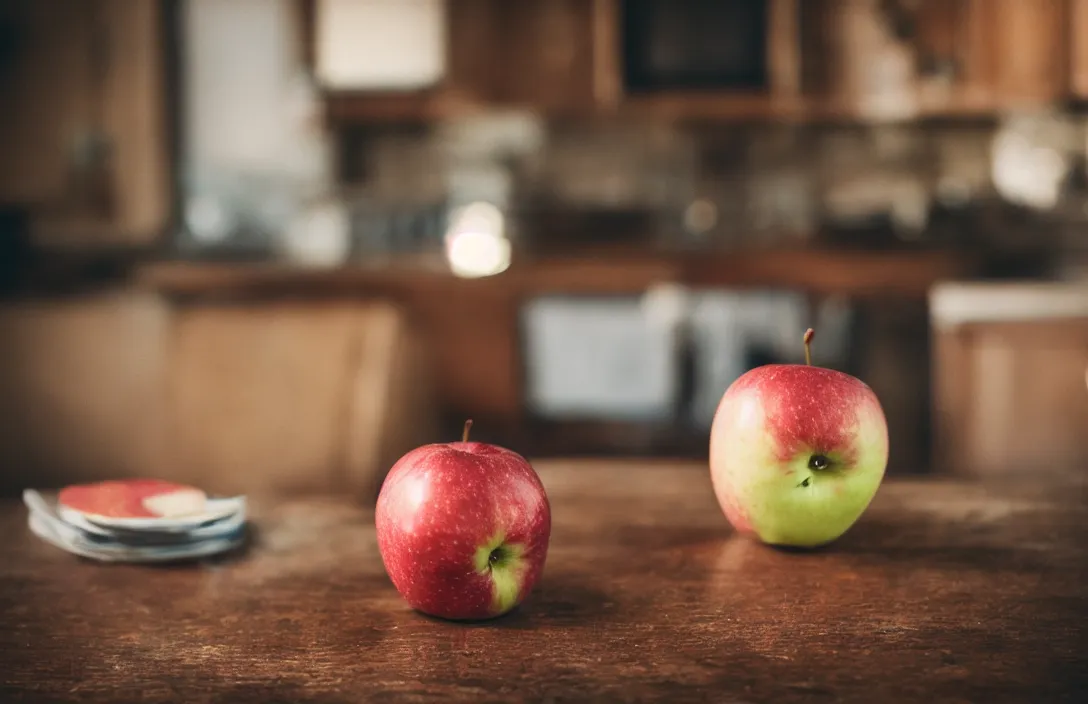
133	498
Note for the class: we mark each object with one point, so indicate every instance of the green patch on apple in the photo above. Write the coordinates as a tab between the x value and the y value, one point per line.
504	563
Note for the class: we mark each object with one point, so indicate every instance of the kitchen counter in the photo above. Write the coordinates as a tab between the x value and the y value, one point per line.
954	303
944	591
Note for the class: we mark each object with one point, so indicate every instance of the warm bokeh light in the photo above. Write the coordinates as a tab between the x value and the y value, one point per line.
476	244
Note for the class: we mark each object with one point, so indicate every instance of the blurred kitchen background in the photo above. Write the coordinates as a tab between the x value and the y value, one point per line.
273	244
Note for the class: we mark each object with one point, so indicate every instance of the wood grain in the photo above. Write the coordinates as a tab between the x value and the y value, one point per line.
46	86
234	397
53	97
784	51
81	388
1009	395
1031	51
547	55
257	393
292	395
944	591
1078	47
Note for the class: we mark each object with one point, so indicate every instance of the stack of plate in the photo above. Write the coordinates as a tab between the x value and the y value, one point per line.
218	526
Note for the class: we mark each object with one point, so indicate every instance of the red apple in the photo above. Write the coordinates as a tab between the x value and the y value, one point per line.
463	528
797	452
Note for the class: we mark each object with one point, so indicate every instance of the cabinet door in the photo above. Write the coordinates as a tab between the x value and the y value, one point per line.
941	56
1025	53
1011	396
1078	50
549	54
83	134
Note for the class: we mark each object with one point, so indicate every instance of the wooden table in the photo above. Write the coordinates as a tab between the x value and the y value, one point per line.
944	591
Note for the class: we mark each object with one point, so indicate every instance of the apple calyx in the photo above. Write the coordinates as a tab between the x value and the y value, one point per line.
503	562
817	463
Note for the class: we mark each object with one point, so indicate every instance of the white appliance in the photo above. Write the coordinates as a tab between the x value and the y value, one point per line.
600	358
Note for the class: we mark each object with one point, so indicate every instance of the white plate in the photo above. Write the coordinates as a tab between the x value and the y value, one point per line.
70	540
217	510
39	504
216	529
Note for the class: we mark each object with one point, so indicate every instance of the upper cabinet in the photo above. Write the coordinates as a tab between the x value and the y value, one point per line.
539	54
1022	50
900	59
84	134
1078	48
556	56
757	59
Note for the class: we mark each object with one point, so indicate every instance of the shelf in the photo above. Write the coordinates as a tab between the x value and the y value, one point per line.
823	272
345	109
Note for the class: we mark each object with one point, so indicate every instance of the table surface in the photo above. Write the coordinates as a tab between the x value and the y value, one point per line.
944	591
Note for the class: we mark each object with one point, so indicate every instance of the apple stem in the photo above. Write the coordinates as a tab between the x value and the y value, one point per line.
464	433
809	334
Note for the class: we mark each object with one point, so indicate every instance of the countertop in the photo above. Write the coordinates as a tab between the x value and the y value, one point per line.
953	303
944	591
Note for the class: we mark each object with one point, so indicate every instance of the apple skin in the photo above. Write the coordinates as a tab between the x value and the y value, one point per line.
769	425
463	529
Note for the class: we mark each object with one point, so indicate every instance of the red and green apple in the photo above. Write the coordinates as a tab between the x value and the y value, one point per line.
463	528
797	452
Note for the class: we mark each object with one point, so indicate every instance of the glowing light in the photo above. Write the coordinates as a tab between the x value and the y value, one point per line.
476	244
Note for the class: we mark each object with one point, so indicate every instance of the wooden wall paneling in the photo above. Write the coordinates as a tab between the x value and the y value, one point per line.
81	390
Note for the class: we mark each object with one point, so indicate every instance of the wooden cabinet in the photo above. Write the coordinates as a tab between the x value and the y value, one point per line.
1078	48
553	56
84	131
1010	365
938	57
867	59
251	397
550	54
1022	50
